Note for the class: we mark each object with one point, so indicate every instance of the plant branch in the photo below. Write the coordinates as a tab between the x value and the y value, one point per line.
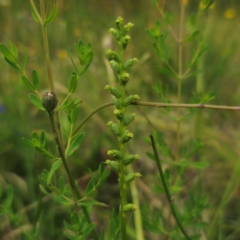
70	178
169	198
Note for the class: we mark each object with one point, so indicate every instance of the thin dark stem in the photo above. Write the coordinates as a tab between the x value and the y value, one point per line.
157	105
169	198
70	178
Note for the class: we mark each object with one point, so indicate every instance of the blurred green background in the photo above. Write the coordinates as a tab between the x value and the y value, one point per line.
90	21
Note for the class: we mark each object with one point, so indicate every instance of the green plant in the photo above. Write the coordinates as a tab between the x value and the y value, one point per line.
187	200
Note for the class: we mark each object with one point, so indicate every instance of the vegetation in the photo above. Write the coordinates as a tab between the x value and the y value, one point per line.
157	157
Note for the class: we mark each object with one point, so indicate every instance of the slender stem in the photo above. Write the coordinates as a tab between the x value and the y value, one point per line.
46	47
70	178
137	212
157	105
122	167
36	11
169	198
180	70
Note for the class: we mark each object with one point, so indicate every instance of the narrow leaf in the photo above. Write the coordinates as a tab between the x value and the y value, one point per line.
36	101
73	83
28	84
76	143
28	142
167	72
35	79
53	14
7	53
25	59
54	167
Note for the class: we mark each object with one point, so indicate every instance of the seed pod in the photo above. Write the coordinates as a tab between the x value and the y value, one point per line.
130	63
119	23
128	118
115	128
126	41
118	113
131	176
126	136
129	207
130	99
124	78
115	154
112	55
116	102
113	164
127	28
130	158
114	91
115	33
115	66
49	101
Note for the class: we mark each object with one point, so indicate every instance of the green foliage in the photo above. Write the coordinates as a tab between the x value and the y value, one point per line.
184	135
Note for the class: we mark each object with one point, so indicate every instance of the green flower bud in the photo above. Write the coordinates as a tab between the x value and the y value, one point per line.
115	66
114	91
119	23
113	164
126	41
118	113
128	118
116	102
131	176
115	154
126	136
130	158
127	28
129	207
49	101
124	78
130	99
115	128
130	63
115	33
112	55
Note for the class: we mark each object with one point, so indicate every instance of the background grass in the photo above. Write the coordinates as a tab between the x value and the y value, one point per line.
90	21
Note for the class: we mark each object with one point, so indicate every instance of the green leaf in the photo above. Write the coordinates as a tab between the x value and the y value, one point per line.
61	184
34	15
168	72
36	101
43	151
7	53
14	51
28	84
44	140
62	200
53	14
54	167
88	63
8	201
192	36
25	58
74	218
35	79
43	177
14	65
73	83
76	143
28	142
90	187
90	227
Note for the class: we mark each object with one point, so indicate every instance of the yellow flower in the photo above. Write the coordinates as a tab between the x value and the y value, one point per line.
230	13
185	2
